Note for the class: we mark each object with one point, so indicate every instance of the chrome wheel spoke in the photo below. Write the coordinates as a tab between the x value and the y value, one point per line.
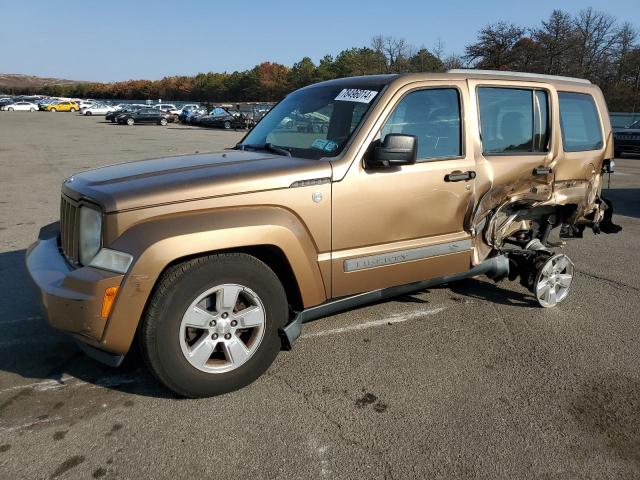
250	317
227	297
235	351
561	264
543	285
197	317
201	351
564	279
552	297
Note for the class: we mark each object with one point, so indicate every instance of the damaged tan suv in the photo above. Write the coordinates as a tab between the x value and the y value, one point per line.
347	192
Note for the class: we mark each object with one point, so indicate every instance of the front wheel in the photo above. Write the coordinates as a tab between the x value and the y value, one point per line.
53	110
163	121
130	121
72	110
227	125
212	324
88	114
10	109
32	109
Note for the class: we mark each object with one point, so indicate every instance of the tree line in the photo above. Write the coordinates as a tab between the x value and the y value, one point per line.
589	44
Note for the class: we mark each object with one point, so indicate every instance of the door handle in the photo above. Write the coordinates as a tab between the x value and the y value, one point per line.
458	176
542	170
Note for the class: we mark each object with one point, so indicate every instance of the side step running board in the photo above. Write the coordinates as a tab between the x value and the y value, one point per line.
495	267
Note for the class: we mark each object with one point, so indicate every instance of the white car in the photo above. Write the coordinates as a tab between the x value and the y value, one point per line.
187	107
20	106
165	107
85	103
97	109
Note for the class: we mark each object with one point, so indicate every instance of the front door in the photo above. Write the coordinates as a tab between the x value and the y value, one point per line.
400	225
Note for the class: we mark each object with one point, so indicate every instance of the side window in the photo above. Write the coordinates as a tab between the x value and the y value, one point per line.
580	122
513	120
433	116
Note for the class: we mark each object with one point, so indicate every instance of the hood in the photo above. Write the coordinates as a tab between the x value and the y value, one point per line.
190	177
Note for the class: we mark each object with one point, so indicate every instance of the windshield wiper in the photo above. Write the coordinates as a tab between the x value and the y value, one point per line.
270	147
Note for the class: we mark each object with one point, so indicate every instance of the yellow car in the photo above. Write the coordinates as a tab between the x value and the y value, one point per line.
63	107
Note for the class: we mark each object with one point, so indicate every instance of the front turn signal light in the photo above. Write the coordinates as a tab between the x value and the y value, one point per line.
108	300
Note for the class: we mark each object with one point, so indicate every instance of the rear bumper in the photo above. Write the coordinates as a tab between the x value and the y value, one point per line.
71	297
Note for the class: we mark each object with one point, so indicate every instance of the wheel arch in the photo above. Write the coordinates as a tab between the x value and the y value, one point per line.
273	235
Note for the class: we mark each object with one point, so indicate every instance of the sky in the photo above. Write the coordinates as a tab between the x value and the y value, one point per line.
124	39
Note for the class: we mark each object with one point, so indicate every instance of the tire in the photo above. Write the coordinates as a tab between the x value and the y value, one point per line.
227	125
53	110
88	114
163	121
162	332
10	109
130	121
32	109
72	110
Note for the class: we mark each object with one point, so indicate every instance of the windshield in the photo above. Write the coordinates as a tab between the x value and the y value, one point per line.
314	122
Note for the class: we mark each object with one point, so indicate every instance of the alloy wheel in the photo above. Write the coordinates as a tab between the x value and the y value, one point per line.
222	328
554	280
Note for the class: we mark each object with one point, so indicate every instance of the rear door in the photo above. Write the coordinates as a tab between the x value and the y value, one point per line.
516	149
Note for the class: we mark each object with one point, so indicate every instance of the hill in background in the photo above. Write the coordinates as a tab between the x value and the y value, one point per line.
9	81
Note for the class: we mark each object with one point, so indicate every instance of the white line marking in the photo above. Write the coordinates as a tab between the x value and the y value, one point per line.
396	318
30	424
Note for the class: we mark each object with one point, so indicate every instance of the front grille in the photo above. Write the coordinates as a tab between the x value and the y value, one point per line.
69	220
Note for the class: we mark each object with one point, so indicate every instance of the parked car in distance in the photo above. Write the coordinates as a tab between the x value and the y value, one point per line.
165	107
627	140
6	101
42	104
97	109
144	115
185	108
112	116
223	118
212	262
20	106
188	116
62	106
85	103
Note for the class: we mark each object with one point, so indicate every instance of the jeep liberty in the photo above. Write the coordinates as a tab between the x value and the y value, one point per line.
347	192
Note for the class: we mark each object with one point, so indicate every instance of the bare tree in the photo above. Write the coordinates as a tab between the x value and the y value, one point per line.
494	46
555	37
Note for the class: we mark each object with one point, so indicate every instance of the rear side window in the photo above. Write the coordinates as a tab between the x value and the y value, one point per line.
433	116
513	120
580	122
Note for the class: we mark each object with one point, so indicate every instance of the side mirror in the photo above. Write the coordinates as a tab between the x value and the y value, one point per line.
396	149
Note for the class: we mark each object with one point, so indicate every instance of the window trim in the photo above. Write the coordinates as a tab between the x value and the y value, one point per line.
595	104
549	120
463	131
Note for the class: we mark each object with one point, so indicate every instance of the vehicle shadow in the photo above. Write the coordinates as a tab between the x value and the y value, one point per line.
33	350
626	201
492	292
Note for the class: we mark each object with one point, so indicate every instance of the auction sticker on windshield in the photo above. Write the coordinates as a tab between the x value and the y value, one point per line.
356	95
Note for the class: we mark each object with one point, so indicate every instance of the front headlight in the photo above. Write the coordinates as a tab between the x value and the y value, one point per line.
90	235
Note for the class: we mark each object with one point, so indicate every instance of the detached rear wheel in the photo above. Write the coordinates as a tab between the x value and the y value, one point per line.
553	280
212	324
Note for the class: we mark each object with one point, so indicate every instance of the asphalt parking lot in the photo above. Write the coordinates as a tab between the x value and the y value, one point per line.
471	380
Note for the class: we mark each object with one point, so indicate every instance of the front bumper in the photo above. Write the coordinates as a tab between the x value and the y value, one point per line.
71	297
